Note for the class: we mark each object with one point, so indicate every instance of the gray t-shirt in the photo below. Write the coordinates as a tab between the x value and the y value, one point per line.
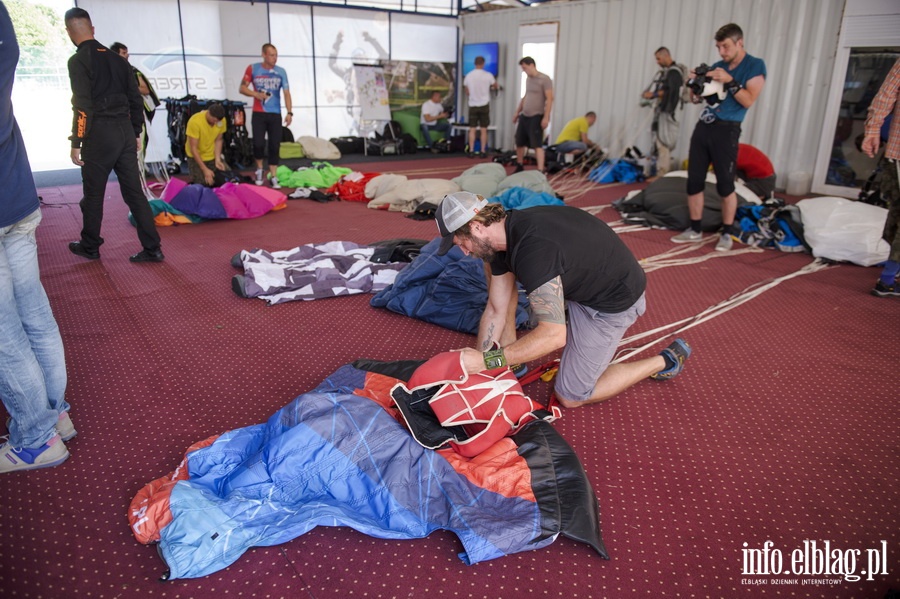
534	99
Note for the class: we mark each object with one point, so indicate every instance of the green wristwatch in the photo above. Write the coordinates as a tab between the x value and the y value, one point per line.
494	359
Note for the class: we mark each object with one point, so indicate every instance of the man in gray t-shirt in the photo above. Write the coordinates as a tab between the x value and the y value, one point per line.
533	113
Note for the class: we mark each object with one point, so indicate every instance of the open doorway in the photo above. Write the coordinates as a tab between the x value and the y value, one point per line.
863	57
539	41
866	71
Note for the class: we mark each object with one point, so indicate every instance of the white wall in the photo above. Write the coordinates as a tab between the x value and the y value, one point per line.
606	59
213	41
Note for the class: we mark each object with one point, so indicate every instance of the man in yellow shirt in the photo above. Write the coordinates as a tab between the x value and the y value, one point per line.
204	146
573	138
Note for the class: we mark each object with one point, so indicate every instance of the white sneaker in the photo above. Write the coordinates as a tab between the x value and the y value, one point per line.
52	453
259	177
64	426
687	236
274	182
724	244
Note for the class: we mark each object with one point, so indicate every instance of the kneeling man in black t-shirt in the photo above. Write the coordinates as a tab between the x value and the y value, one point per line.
565	259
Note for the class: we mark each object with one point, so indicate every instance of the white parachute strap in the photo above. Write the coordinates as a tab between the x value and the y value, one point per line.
616	145
157	169
142	168
596	209
571	185
711	312
668	258
619	229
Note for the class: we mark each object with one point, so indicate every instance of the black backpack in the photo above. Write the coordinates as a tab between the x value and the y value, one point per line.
392	131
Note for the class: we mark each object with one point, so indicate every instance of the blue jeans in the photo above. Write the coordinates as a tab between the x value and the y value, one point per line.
32	362
442	126
571	146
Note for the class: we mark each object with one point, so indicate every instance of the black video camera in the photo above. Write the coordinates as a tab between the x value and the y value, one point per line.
700	78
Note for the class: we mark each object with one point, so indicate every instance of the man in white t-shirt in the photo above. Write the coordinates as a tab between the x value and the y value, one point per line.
432	114
478	85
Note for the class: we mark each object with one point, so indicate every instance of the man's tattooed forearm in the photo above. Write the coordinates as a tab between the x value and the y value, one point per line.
489	340
547	302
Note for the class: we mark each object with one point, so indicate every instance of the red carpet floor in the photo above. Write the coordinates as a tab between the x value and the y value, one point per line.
783	428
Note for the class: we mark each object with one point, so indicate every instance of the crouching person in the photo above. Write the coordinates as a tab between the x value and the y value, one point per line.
566	259
204	146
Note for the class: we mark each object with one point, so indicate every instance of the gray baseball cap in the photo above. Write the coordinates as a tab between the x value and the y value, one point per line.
454	211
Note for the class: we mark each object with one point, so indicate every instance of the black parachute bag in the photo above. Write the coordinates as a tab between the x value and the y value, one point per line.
349	144
409	143
392	131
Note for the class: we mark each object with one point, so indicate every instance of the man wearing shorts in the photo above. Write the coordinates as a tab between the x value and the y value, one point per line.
532	114
567	260
267	81
478	85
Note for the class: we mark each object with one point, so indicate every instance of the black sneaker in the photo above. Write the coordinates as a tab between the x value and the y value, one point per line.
678	352
519	168
238	286
882	290
148	256
79	250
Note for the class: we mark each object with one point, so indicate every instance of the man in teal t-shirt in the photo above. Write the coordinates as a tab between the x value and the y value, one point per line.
716	136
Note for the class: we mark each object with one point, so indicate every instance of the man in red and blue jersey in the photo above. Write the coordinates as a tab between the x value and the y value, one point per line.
267	81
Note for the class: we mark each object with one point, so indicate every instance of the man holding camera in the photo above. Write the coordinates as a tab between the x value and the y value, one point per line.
265	82
715	139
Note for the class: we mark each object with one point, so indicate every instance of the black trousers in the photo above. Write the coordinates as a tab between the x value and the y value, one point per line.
263	123
112	147
715	143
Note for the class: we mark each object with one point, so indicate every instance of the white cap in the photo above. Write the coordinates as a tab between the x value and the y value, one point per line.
454	211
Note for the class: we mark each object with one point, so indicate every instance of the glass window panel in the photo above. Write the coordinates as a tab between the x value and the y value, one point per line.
351	35
202	26
420	38
439	7
304	122
866	70
291	28
337	121
245	27
164	71
206	77
334	82
382	4
300	78
114	21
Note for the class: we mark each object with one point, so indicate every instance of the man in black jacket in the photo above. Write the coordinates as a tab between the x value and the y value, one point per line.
106	130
